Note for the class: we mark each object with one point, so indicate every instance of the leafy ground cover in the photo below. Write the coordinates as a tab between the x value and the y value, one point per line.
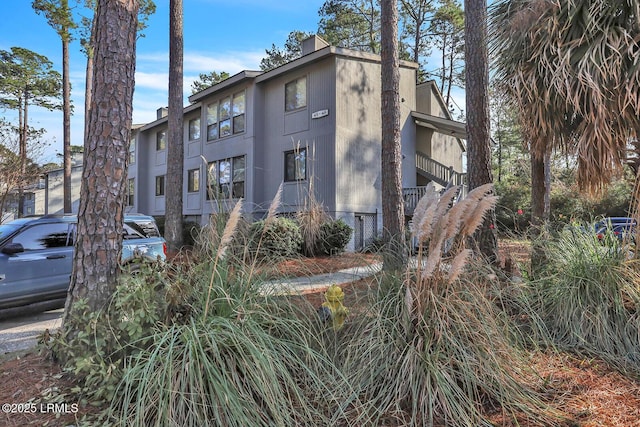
586	391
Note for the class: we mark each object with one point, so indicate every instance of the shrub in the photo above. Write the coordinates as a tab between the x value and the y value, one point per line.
513	211
333	238
589	296
277	237
254	369
97	352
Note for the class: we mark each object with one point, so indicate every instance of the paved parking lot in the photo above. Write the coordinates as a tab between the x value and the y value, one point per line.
21	333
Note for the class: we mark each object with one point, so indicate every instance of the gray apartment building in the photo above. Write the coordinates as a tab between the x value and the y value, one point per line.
313	124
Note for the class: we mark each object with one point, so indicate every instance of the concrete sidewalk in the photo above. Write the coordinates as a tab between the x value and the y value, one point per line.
22	332
298	285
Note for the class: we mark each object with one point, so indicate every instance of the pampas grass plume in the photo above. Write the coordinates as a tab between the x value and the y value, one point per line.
229	229
458	264
427	201
478	215
275	204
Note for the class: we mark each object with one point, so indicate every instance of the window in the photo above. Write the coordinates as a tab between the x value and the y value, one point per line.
238	175
226	117
212	180
194	129
131	188
212	121
226	178
193	181
132	151
160	185
295	165
238	112
161	140
45	236
295	94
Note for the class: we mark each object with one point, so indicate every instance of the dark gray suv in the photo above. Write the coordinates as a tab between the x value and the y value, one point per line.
36	256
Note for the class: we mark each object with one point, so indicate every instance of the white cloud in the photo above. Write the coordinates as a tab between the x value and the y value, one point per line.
156	81
231	62
152	76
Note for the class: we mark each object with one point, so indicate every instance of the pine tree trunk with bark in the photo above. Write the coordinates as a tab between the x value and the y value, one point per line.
102	193
477	106
175	152
392	202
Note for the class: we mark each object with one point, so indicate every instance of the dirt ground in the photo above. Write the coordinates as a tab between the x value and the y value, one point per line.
34	391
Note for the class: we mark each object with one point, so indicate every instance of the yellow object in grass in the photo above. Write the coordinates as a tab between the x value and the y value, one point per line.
333	304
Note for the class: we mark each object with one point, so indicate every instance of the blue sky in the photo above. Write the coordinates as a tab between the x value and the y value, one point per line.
219	36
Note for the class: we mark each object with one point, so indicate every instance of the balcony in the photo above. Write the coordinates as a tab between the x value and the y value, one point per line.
436	172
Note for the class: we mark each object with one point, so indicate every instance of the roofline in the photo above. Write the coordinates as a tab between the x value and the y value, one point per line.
189	108
261	76
224	84
323	53
442	125
439	97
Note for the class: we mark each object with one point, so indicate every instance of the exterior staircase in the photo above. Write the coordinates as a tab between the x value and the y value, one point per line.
436	172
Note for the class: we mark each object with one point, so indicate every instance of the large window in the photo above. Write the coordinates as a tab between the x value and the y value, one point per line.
226	117
161	140
193	181
131	191
194	129
295	165
295	94
226	178
160	185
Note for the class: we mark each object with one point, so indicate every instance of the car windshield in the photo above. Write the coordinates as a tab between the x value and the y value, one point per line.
7	230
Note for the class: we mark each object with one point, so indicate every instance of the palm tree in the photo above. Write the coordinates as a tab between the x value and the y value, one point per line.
571	69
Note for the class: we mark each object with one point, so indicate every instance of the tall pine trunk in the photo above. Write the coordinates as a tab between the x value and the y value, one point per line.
477	106
66	124
102	193
392	202
175	152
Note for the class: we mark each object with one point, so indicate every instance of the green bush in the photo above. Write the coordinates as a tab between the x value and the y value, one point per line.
513	210
333	238
98	349
589	296
276	238
568	203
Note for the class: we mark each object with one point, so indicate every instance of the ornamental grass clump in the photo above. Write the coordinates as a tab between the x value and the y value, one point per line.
589	297
233	356
437	349
256	369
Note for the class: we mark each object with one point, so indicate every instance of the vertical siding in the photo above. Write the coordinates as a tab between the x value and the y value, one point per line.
359	134
282	131
408	103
